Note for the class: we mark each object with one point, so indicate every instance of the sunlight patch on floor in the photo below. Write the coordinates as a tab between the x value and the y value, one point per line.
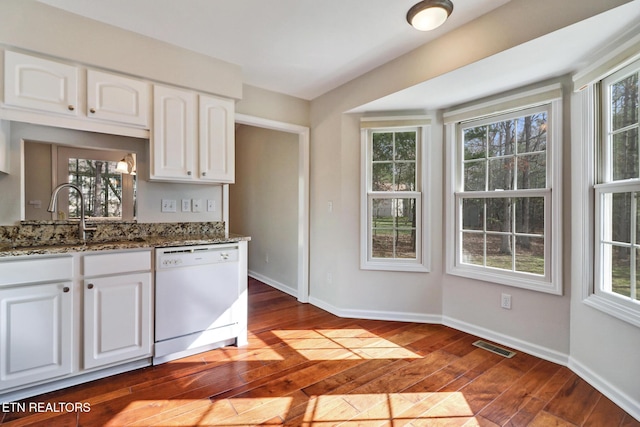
360	343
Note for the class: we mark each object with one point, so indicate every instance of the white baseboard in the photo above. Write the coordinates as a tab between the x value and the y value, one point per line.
376	315
509	341
274	283
631	406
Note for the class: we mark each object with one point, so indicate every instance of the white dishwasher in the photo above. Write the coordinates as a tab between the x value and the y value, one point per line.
197	294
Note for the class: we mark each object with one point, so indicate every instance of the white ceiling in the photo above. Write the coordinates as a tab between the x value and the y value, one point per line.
555	54
305	48
302	48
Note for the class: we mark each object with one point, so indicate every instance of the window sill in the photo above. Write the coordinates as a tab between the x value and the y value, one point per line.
411	267
517	280
613	308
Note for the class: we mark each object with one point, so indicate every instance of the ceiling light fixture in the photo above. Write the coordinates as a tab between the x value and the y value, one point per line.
429	14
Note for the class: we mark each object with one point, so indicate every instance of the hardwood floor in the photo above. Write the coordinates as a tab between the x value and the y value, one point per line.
305	367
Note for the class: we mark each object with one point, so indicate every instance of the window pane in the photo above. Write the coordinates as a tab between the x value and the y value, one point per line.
532	133
501	137
382	213
475	143
621	217
530	215
530	254
473	214
620	271
406	145
499	252
101	186
382	146
624	102
394	228
625	155
532	171
382	244
499	215
406	244
405	212
405	177
475	176
501	174
382	179
473	248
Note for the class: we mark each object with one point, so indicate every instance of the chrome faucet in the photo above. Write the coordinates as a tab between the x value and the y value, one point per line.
52	208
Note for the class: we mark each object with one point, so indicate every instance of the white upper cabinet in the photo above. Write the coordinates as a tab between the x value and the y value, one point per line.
217	139
117	98
40	84
185	146
173	136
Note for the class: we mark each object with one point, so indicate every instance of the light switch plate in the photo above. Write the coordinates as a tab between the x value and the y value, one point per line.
211	205
186	205
168	205
196	205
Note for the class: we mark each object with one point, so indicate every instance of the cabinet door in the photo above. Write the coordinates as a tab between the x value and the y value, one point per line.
40	84
173	139
117	98
35	333
217	139
117	319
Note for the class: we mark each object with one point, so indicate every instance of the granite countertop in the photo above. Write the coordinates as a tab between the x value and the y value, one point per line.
54	239
6	250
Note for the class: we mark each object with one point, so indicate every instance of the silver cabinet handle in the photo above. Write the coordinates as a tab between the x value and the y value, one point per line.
204	174
189	173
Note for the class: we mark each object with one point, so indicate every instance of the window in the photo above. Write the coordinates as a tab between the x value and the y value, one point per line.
504	206
107	192
393	201
617	234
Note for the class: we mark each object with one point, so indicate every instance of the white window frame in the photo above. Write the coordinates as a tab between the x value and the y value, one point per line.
597	292
423	254
550	98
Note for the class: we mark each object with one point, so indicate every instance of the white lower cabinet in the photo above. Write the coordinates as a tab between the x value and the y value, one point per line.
117	318
36	334
36	320
118	312
62	317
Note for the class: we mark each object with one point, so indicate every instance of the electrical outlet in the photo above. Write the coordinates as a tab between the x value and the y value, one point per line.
211	205
168	205
186	205
196	205
505	301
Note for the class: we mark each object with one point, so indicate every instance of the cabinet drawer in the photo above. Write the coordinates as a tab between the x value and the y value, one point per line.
116	263
30	270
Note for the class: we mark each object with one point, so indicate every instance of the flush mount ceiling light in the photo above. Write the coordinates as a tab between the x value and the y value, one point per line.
429	14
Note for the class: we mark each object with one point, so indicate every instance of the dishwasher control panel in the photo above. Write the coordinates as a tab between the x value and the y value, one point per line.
186	256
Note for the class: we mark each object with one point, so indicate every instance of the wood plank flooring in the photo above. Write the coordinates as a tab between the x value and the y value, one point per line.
305	367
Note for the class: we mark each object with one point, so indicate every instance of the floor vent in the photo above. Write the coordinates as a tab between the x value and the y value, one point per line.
494	349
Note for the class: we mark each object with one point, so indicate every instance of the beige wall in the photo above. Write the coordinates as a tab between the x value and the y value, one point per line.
273	106
263	203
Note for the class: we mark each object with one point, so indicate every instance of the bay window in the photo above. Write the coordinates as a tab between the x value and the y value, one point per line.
504	202
617	234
